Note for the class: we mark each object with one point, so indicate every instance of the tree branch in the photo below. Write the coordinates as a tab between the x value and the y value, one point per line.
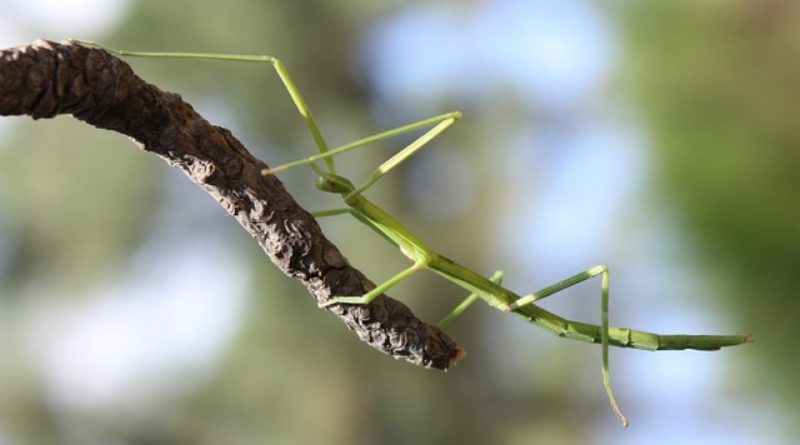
45	79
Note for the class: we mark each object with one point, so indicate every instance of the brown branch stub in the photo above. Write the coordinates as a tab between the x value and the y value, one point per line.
45	79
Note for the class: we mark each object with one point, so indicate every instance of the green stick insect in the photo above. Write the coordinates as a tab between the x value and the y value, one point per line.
489	290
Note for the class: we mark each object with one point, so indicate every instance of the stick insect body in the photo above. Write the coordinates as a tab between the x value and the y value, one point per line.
489	290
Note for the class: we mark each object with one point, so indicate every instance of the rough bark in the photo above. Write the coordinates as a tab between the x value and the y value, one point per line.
45	79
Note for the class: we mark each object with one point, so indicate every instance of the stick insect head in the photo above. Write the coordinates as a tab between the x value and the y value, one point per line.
329	182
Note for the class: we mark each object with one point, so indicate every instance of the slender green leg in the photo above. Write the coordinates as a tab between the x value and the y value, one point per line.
604	286
444	120
305	112
558	287
496	278
604	340
371	295
405	153
364	141
284	75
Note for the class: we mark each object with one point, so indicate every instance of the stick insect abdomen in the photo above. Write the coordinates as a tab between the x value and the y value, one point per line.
625	337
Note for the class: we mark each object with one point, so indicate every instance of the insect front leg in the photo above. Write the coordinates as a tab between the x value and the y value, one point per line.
448	120
435	121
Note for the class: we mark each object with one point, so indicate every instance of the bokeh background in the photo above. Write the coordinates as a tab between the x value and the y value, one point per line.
660	138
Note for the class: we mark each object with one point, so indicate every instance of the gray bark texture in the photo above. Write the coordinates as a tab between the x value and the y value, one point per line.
45	79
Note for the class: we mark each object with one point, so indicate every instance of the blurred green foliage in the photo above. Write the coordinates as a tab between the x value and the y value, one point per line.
718	83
